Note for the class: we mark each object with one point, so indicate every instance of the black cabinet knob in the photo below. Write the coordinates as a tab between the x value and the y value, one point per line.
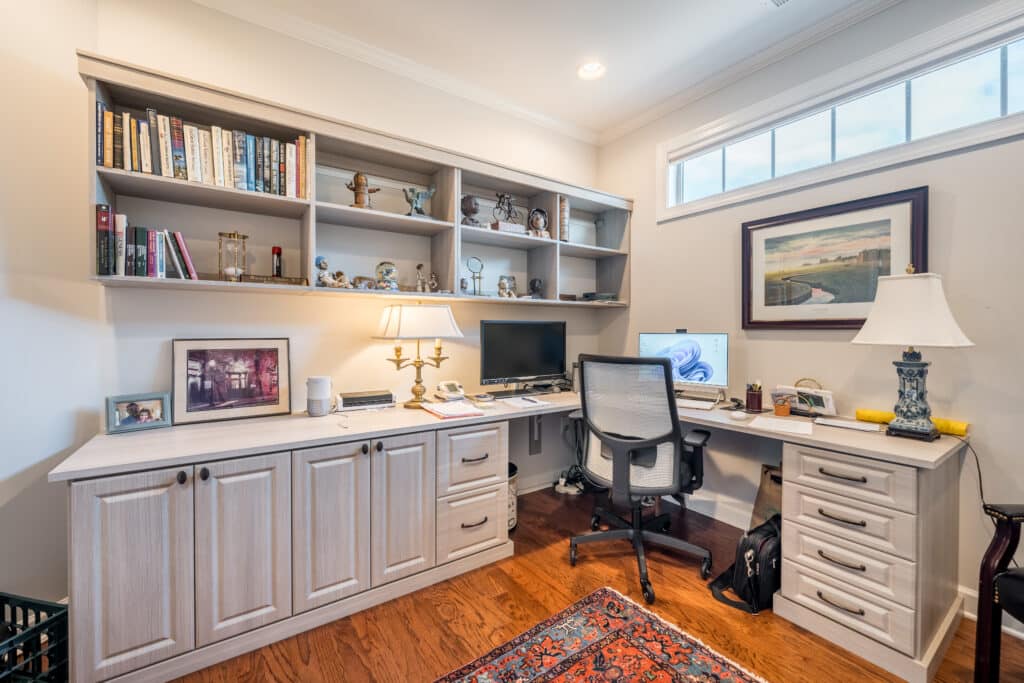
204	474
182	477
366	448
380	446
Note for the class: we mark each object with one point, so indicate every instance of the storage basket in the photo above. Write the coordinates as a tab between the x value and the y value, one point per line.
33	640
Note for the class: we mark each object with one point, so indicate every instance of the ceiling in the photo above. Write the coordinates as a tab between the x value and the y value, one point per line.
522	56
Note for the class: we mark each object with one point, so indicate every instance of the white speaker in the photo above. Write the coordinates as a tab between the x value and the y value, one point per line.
318	396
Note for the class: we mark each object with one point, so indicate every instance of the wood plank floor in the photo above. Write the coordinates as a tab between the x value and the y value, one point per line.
428	633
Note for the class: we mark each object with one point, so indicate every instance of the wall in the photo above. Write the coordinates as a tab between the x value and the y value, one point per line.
975	242
69	343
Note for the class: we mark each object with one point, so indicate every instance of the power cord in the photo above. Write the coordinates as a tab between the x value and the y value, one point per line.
981	484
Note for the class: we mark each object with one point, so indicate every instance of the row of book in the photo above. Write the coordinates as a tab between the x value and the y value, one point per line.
133	250
163	145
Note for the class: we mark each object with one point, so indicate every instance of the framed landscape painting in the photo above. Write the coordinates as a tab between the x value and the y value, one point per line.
819	268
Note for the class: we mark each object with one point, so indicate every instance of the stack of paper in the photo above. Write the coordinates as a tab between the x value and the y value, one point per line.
522	402
450	409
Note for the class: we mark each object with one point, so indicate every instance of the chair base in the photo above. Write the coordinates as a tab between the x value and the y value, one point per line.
639	531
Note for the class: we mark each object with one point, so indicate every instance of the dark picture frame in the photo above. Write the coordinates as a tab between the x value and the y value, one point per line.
906	236
127	413
230	379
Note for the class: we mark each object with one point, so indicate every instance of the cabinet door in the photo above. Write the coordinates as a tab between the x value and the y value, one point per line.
243	545
131	572
402	495
330	523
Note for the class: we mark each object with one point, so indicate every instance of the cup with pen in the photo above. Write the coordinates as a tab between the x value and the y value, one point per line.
754	395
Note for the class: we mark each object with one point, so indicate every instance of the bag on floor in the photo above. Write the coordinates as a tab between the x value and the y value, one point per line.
757	572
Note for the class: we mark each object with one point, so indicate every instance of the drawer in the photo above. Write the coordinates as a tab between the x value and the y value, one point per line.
471	457
877	527
877	573
471	522
874	617
872	481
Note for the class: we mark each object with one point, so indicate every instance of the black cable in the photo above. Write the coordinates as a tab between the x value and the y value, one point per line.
981	484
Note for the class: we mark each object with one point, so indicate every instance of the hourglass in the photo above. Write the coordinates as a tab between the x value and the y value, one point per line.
231	260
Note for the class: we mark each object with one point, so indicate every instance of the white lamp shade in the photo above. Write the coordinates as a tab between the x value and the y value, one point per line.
403	321
911	310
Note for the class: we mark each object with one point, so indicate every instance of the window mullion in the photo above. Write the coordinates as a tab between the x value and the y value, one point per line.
908	133
1004	80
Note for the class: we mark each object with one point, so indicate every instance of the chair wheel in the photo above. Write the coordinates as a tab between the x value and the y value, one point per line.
645	587
705	568
572	555
595	523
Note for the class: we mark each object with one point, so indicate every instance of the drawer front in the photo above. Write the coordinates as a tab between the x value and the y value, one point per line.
878	619
877	573
469	458
471	522
876	527
871	481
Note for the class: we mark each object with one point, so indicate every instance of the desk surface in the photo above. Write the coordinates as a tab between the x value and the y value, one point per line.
111	454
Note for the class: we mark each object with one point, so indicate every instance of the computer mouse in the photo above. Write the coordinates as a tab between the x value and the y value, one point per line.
738	415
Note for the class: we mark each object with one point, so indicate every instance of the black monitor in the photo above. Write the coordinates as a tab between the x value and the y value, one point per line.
515	351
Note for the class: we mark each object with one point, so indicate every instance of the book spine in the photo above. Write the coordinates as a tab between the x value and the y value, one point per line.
103	229
145	146
268	165
141	247
161	255
250	162
151	253
289	169
178	159
300	167
118	135
129	250
126	139
134	142
163	127
101	112
175	255
154	141
227	158
206	157
108	138
238	148
193	158
258	180
120	225
282	169
275	163
218	154
180	239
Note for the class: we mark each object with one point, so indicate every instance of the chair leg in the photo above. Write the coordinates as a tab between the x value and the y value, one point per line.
990	615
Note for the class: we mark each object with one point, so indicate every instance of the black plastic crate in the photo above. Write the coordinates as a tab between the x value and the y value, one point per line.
33	640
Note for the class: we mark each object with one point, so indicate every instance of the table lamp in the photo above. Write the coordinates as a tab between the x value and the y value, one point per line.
911	310
404	321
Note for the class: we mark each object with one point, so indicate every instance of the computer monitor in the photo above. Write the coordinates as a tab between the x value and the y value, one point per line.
514	351
698	359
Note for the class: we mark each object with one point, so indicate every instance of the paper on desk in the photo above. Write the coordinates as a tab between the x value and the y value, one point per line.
522	402
779	425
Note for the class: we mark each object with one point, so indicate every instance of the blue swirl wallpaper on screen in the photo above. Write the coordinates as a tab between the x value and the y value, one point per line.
695	358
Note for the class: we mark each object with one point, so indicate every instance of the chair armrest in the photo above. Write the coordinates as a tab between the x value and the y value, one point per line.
696	438
1005	512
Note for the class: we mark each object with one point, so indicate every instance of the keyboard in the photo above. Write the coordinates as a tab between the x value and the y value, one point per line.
848	424
695	404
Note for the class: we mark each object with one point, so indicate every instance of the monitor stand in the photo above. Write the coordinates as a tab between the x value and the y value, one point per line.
512	393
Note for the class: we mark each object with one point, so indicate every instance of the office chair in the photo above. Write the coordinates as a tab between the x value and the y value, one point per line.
998	590
636	449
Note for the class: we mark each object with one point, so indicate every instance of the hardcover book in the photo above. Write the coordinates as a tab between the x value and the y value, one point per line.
145	160
218	159
238	156
136	161
161	255
268	165
141	247
206	156
258	142
151	253
108	138
178	149
103	239
118	142
172	257
163	124
126	139
120	226
281	169
250	162
129	250
289	169
193	156
101	112
300	166
154	142
275	164
183	247
227	158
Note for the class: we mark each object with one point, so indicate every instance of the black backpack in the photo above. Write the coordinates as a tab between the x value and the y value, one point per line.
757	572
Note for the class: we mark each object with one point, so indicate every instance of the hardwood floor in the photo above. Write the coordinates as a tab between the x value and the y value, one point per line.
428	633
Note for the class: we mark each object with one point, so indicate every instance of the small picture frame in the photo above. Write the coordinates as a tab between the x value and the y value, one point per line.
135	412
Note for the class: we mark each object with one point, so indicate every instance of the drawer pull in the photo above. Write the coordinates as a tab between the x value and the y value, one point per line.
857	612
480	459
845	477
475	524
837	518
855	567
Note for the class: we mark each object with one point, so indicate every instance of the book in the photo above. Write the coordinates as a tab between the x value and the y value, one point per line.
178	160
186	256
141	247
258	142
218	155
151	253
238	156
101	112
250	162
300	167
145	147
171	247
161	255
227	158
120	225
289	169
129	250
163	124
103	238
193	156
126	139
108	138
275	164
267	165
134	142
118	142
282	169
154	142
206	156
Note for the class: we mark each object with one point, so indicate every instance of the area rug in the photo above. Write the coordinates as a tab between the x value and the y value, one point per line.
603	637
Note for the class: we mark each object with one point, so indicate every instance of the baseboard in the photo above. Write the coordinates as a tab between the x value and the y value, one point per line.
1011	626
537	482
733	511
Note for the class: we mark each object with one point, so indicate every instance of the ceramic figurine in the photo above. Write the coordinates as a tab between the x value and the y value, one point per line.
415	199
507	286
360	187
342	280
363	282
434	285
538	223
463	285
421	282
323	276
387	276
470	208
536	286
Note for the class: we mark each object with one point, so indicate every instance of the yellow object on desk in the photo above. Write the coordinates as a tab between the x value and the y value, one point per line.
952	427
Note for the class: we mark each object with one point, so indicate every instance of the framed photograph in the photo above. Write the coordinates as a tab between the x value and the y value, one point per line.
819	269
132	412
229	379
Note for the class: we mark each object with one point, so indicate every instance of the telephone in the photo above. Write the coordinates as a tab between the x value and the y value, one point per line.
450	390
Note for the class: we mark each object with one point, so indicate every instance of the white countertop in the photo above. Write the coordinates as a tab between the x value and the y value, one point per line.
111	454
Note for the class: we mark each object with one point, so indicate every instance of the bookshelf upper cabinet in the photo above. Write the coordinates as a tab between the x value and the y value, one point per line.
191	161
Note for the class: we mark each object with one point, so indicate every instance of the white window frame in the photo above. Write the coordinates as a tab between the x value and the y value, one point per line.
974	33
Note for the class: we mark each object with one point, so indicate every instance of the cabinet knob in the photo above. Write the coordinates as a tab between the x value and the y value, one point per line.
366	448
380	446
182	477
204	474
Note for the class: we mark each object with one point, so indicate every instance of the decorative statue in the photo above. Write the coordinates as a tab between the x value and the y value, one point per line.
421	283
434	284
387	276
507	286
536	288
463	285
538	223
504	210
360	187
415	198
470	208
323	276
363	282
342	280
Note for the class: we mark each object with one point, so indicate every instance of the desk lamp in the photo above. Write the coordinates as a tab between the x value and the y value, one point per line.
404	321
911	310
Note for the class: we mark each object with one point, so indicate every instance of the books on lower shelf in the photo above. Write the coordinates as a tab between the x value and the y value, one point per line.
169	146
137	251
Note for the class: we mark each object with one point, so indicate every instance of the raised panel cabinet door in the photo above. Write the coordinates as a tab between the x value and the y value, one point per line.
243	545
402	497
131	572
330	523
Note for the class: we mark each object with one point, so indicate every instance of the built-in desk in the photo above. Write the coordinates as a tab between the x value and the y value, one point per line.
193	544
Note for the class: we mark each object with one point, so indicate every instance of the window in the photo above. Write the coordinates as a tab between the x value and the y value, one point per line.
965	92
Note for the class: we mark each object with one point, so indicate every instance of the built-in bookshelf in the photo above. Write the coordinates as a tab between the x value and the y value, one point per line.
319	221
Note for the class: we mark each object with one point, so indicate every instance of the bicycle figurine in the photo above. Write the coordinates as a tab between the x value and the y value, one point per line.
504	210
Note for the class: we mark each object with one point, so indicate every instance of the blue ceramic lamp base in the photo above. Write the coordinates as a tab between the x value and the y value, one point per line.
913	414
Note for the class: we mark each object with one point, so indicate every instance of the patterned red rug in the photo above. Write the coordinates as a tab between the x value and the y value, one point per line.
603	637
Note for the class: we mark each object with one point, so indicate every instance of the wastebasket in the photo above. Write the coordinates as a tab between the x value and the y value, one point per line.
513	503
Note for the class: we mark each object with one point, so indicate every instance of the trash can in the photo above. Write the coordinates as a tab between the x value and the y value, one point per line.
513	503
33	640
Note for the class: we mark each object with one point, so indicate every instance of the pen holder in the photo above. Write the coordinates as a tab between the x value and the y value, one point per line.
754	401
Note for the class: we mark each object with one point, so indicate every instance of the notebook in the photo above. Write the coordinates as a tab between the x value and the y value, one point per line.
450	409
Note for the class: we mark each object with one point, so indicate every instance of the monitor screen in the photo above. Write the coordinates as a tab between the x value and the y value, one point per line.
516	351
697	358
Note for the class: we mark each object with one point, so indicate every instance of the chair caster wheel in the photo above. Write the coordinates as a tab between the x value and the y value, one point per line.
705	568
595	523
645	588
572	555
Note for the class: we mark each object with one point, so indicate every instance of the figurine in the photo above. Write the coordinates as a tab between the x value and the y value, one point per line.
504	210
415	198
538	223
463	285
324	277
342	280
360	186
507	286
421	283
434	285
387	276
470	208
363	282
536	286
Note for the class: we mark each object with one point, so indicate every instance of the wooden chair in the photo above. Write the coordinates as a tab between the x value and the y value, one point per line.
998	590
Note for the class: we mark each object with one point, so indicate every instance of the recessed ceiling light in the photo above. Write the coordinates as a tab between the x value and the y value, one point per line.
590	71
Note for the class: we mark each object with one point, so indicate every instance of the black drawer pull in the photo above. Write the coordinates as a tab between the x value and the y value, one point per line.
475	524
480	459
837	518
204	474
365	449
380	446
844	477
182	477
855	567
858	612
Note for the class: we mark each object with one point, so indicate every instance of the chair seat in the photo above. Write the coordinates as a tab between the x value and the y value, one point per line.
1010	589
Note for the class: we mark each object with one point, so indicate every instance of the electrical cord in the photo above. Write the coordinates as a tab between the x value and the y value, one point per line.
981	483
